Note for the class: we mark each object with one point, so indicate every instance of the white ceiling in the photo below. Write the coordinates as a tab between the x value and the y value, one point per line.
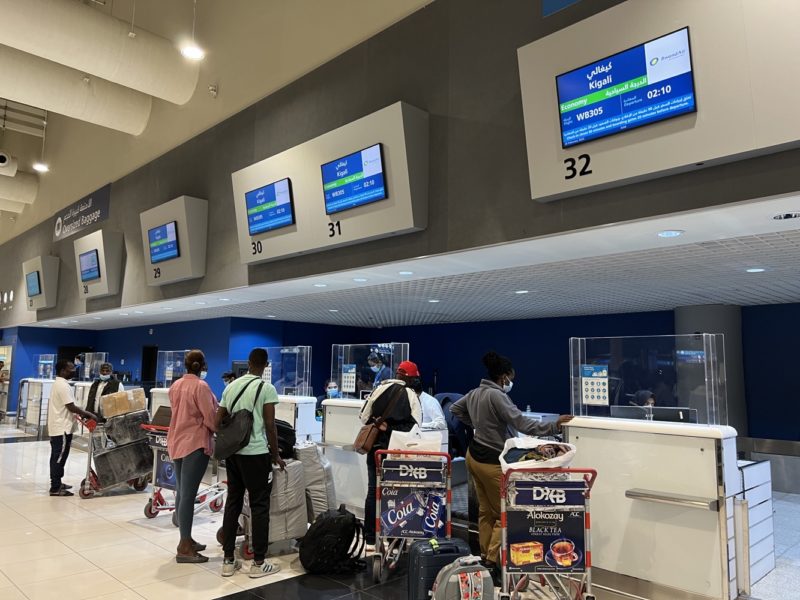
612	269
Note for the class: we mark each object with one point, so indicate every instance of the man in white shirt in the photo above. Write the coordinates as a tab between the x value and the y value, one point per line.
432	413
61	411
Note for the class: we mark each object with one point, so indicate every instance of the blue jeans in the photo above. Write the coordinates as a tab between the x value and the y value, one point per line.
189	472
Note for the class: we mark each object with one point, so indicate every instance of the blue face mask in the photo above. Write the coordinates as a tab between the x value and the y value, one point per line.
375	368
333	392
203	374
105	377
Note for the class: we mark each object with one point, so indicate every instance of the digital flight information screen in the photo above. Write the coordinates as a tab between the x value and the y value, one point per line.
354	180
645	84
270	207
90	266
163	242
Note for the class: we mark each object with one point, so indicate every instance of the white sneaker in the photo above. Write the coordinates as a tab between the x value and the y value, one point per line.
229	567
262	570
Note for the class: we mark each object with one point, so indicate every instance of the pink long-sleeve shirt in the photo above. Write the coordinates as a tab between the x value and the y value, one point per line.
194	408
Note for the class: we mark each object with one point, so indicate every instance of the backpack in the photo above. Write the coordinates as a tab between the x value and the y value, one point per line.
287	439
333	544
235	429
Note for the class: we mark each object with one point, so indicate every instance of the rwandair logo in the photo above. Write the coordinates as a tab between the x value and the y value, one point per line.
654	62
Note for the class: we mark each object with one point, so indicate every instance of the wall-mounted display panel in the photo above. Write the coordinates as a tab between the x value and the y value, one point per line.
363	181
727	114
174	238
163	242
354	180
41	276
270	207
98	258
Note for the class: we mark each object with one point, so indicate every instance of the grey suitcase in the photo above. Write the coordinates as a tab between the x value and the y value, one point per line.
464	579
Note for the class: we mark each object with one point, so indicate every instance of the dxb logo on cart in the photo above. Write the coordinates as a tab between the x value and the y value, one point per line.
415	472
552	495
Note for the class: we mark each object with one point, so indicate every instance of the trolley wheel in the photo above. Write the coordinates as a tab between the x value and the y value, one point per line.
377	568
175	518
220	537
216	504
247	550
149	510
84	493
140	484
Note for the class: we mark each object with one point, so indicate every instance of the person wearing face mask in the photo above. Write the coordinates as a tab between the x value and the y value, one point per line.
495	418
331	391
190	444
376	364
106	383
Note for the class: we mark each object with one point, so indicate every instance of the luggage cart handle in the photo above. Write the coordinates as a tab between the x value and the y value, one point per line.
589	475
90	424
154	428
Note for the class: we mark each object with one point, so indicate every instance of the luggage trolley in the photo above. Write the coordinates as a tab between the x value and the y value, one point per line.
118	451
546	533
165	478
412	502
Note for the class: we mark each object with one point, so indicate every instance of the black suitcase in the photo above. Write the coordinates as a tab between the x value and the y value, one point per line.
426	558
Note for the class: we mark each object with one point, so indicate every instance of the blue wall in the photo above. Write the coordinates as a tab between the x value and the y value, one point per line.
769	334
538	348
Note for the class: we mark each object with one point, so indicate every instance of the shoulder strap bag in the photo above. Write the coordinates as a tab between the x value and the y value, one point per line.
368	434
235	429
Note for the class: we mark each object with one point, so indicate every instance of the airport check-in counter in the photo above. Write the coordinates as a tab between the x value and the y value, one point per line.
301	413
340	427
158	397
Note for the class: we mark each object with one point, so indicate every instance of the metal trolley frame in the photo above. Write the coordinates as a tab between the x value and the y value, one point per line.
210	496
422	474
546	497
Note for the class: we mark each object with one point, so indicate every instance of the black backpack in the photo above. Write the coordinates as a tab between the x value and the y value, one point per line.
287	438
333	544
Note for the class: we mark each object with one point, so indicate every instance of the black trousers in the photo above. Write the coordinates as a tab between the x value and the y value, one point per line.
59	453
369	501
254	475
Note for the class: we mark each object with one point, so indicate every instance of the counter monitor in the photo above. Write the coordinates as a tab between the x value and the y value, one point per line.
163	242
354	180
90	266
645	84
32	284
270	207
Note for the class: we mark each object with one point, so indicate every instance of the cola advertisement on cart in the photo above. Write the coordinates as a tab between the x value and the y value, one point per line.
409	508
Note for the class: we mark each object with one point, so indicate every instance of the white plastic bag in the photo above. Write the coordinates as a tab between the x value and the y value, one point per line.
416	440
562	461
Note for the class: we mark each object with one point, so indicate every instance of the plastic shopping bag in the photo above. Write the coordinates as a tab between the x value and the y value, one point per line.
529	443
416	440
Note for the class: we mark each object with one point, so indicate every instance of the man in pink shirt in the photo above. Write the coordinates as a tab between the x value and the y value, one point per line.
190	444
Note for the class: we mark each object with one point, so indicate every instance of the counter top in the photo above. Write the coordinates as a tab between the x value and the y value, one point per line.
297	399
720	432
344	402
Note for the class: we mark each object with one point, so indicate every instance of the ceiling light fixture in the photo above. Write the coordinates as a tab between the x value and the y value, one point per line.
166	308
40	166
756	270
671	233
270	316
320	285
405	272
224	299
123	314
434	301
138	312
200	303
98	318
191	50
521	292
360	279
333	310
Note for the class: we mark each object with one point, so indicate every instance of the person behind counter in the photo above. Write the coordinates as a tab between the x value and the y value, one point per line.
432	413
378	366
405	413
331	388
106	383
190	444
495	418
60	425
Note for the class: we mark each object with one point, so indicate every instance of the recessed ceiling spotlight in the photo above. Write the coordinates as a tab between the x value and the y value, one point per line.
788	215
270	316
756	270
360	279
123	314
320	285
138	312
224	299
333	310
405	272
73	321
434	301
521	292
166	308
200	303
671	233
41	167
98	318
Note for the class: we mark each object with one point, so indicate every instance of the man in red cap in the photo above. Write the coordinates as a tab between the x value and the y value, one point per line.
397	403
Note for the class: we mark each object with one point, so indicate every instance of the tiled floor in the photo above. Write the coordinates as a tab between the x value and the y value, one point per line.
9	430
99	548
106	548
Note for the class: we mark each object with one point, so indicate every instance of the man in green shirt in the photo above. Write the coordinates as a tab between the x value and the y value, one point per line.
250	468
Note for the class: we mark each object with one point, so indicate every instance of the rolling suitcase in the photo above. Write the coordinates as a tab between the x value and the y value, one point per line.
465	579
426	558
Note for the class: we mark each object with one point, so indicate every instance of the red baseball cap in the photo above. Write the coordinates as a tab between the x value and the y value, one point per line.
408	368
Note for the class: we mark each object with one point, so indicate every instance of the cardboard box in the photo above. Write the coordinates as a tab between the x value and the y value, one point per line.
120	403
